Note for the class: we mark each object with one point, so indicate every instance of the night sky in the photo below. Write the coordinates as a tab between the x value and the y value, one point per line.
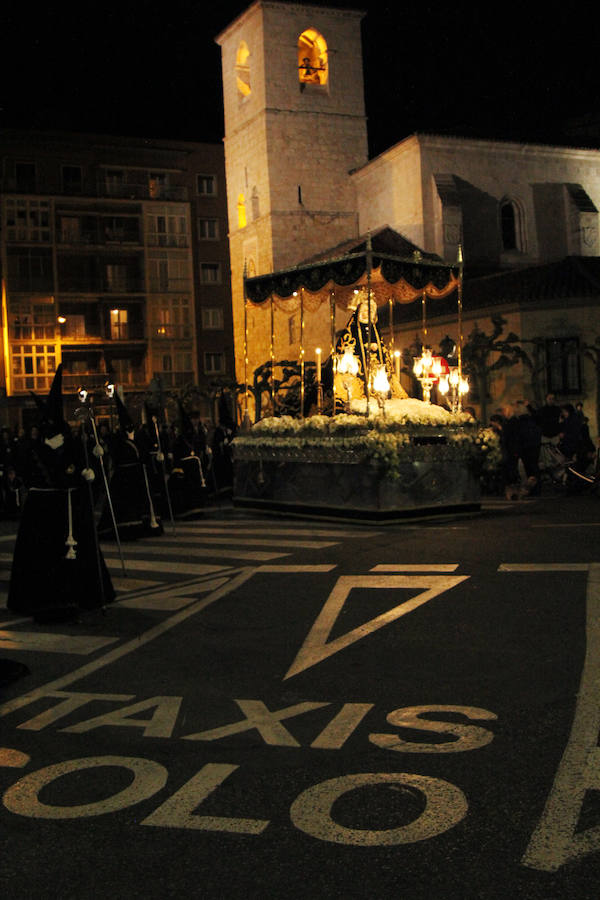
153	70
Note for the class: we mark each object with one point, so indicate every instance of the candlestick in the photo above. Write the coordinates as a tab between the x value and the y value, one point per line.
318	352
397	363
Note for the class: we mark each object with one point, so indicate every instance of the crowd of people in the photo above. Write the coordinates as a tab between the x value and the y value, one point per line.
552	441
185	463
84	482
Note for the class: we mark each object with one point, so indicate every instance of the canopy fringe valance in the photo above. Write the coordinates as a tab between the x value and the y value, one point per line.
391	278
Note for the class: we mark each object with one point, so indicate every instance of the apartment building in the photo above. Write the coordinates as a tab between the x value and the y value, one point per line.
115	261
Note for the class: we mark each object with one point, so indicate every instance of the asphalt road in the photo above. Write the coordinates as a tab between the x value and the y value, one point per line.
280	708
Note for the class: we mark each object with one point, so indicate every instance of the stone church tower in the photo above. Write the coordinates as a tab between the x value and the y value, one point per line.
295	127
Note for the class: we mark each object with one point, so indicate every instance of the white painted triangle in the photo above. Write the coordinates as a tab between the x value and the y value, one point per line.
316	647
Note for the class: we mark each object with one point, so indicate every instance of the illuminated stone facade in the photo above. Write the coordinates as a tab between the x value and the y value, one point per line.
299	182
293	131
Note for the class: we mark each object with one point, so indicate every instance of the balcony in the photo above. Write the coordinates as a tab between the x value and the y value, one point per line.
141	191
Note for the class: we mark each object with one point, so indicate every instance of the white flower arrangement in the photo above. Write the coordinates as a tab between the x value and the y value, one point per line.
385	440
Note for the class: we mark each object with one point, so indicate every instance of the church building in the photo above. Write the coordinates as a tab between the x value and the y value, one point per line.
300	185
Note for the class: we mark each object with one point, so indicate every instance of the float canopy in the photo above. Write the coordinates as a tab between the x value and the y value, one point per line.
394	268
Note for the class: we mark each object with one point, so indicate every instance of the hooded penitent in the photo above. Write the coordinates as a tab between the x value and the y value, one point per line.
57	567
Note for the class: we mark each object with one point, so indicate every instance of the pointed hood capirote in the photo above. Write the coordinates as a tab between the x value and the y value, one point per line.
55	399
125	420
186	422
226	414
51	414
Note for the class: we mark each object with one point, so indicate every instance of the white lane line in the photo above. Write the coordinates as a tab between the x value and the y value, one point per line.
236	540
178	588
270	521
327	567
137	642
252	555
166	567
79	644
126	585
415	567
170	601
276	532
543	567
556	839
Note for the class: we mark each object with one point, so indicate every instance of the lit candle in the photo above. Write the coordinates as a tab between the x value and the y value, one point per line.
397	363
318	352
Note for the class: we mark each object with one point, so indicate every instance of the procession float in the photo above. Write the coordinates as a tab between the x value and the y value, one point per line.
360	447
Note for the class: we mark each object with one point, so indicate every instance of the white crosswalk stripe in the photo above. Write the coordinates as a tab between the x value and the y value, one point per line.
227	540
206	549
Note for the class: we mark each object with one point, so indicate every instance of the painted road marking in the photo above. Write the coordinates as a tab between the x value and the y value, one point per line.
316	648
276	532
285	569
80	644
166	591
241	576
543	567
169	601
113	562
125	584
416	567
556	840
252	555
234	540
12	622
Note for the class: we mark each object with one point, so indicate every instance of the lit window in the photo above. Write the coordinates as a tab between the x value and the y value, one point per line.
173	318
33	366
118	325
242	69
312	58
157	183
206	185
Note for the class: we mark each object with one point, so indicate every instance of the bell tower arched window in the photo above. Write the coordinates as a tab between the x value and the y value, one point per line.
242	69
312	58
511	226
241	211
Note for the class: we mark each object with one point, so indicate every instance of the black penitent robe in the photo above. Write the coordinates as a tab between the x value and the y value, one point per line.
127	493
58	567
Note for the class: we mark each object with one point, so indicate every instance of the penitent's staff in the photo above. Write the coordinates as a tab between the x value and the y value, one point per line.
160	456
88	474
84	412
